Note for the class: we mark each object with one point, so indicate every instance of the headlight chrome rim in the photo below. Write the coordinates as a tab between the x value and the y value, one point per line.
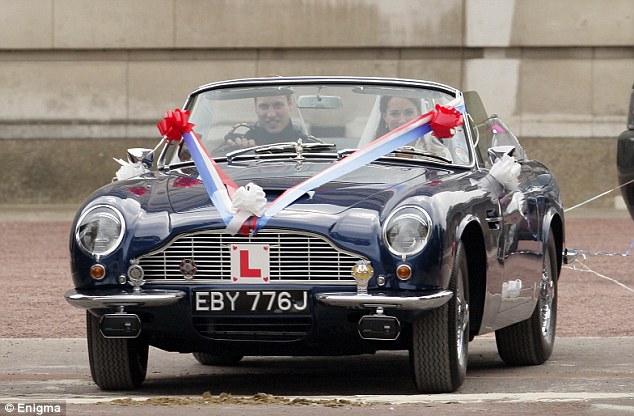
421	215
110	212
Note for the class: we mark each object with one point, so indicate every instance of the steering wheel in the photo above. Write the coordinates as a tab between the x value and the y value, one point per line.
234	136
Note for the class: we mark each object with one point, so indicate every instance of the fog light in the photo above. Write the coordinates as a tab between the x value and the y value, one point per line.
403	272
97	272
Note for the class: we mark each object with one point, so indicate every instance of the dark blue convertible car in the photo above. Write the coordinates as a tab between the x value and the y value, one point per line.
321	216
625	159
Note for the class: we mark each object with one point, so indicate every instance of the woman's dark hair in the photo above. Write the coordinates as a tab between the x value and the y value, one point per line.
383	103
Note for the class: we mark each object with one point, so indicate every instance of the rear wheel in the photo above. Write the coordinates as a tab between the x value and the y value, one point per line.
531	341
115	363
219	360
440	338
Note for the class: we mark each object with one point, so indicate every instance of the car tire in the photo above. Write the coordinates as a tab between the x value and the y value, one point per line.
218	360
115	363
531	342
440	337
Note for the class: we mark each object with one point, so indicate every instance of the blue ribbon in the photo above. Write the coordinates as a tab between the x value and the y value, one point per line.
211	179
217	191
374	150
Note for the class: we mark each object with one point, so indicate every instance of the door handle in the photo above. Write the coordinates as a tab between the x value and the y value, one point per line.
493	219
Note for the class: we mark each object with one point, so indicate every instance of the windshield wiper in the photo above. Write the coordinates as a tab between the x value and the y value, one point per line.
409	150
281	147
299	147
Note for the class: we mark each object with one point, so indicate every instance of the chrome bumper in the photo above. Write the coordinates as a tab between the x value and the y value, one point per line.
410	303
116	298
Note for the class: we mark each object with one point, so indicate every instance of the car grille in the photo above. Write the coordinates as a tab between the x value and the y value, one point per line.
254	328
294	257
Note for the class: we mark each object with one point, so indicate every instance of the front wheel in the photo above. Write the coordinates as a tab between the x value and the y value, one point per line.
440	338
531	342
115	363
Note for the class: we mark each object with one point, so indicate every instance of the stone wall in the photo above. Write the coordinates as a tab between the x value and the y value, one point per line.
81	80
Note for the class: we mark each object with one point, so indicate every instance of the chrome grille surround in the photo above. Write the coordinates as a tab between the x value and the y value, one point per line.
295	257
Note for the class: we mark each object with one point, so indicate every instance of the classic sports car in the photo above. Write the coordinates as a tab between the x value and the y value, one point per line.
625	159
321	216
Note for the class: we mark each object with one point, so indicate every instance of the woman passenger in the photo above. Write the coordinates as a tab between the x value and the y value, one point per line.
396	111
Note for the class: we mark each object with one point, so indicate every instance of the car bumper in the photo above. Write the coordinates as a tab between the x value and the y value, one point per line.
116	298
331	327
368	301
161	297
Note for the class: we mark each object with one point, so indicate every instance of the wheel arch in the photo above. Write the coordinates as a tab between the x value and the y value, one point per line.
470	234
553	223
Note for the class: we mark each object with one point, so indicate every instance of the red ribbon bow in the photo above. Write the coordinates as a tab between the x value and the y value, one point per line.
175	124
444	120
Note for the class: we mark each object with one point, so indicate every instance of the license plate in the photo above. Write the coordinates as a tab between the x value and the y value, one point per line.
251	302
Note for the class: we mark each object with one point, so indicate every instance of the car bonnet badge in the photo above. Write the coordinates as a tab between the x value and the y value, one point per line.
188	268
362	272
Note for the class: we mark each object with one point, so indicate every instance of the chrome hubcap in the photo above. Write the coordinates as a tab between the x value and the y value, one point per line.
546	297
462	321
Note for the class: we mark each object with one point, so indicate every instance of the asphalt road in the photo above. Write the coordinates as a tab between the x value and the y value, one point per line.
43	356
585	376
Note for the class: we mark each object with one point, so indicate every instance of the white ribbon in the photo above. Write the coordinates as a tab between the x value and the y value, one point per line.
129	170
247	201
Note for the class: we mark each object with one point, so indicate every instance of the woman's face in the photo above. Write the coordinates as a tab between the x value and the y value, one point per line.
399	111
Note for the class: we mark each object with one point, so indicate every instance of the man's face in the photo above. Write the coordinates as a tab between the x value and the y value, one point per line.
274	113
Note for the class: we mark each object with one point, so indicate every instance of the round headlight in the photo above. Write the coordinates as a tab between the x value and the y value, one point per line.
100	230
407	230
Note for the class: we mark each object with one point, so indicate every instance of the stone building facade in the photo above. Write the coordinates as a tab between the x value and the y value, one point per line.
82	80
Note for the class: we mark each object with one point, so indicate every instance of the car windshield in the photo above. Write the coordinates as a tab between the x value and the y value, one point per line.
323	118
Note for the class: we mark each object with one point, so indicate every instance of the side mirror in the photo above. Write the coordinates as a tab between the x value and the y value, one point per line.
140	154
497	152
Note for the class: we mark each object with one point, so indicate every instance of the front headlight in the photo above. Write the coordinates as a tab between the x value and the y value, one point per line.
407	230
100	230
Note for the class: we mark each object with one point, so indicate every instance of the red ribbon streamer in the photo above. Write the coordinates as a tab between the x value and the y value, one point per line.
175	124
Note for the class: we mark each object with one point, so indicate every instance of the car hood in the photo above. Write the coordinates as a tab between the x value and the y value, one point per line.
368	186
158	206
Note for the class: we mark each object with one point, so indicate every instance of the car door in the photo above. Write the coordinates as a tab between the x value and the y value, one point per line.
520	248
518	218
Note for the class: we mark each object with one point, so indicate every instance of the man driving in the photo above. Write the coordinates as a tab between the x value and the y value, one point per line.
273	126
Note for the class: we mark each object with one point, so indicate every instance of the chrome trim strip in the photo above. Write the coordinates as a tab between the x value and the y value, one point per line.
115	298
409	303
271	283
298	80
